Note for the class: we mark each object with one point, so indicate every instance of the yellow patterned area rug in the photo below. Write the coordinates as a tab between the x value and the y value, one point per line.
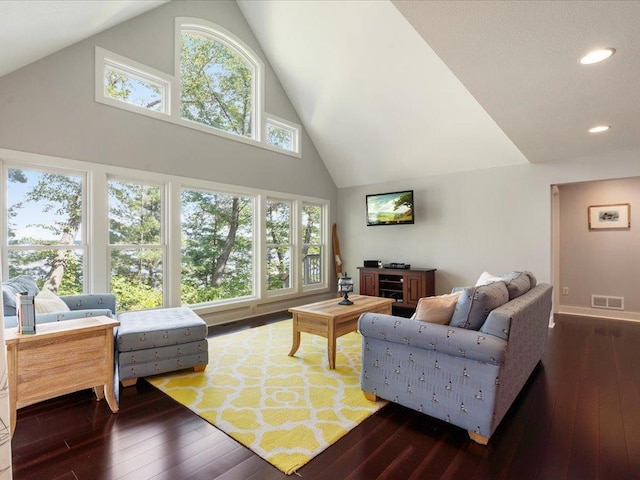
285	409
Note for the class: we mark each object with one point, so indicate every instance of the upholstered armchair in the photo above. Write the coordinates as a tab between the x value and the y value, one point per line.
75	306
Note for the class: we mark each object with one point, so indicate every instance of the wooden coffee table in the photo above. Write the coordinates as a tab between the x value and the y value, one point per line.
60	358
330	320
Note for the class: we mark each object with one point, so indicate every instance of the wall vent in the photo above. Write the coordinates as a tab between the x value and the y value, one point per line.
608	302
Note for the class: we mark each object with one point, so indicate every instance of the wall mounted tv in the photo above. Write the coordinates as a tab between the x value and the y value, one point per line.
394	208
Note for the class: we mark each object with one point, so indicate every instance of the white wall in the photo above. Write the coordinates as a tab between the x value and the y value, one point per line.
600	262
497	219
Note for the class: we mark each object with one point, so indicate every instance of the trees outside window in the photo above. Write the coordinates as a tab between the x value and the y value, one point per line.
218	84
136	244
45	217
278	239
312	244
217	246
120	85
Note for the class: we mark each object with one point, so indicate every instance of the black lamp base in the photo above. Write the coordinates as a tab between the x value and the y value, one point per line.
345	300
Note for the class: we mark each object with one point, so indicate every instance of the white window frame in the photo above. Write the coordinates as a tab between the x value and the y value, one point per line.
324	250
293	278
96	265
105	59
208	187
218	33
84	247
282	124
171	85
163	246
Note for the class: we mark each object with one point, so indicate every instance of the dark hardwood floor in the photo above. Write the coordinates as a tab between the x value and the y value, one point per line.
577	418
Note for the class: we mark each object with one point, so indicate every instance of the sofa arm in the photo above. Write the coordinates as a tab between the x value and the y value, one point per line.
89	301
452	341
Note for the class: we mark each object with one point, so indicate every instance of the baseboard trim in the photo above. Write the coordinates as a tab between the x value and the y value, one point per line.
600	313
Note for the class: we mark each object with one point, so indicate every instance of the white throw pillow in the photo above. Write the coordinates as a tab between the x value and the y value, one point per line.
486	278
48	302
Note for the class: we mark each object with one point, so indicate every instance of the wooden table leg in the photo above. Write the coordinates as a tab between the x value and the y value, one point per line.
331	351
296	336
331	340
110	396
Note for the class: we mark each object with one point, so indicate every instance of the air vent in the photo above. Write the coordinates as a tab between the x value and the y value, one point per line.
608	302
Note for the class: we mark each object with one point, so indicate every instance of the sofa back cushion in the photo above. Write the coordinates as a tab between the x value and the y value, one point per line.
518	283
437	309
13	287
475	303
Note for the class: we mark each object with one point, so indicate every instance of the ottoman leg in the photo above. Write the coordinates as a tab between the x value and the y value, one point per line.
129	382
199	368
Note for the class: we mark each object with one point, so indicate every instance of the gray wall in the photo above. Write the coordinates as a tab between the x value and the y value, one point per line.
601	262
48	107
496	219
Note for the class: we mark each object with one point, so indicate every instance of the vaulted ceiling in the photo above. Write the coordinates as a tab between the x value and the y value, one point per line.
394	90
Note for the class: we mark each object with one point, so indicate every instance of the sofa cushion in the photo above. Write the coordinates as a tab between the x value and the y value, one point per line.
518	283
48	302
13	287
532	278
437	309
475	303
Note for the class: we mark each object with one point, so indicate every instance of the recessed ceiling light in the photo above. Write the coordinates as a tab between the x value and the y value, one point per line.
599	129
596	56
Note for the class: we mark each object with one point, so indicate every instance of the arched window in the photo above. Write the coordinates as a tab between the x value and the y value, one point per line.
220	80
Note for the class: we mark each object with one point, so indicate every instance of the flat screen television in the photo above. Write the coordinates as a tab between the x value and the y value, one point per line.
394	208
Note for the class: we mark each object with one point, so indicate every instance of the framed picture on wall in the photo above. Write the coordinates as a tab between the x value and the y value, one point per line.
609	216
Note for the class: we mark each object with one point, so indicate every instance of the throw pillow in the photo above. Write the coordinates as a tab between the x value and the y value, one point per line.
475	304
14	286
48	302
437	309
486	278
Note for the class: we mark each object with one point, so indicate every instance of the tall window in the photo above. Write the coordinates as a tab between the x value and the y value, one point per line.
136	244
279	246
218	83
217	246
312	244
45	217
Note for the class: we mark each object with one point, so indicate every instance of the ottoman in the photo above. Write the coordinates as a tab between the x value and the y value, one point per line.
150	342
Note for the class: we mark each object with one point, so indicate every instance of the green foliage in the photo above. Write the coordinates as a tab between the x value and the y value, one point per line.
120	87
279	137
217	85
135	212
117	85
134	296
217	246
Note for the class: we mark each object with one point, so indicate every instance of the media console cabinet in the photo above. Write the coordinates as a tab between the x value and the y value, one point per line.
405	286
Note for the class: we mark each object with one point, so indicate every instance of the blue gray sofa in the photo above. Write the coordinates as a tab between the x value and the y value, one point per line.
469	372
80	306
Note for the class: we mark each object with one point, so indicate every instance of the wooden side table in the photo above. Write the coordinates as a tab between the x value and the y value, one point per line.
62	357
